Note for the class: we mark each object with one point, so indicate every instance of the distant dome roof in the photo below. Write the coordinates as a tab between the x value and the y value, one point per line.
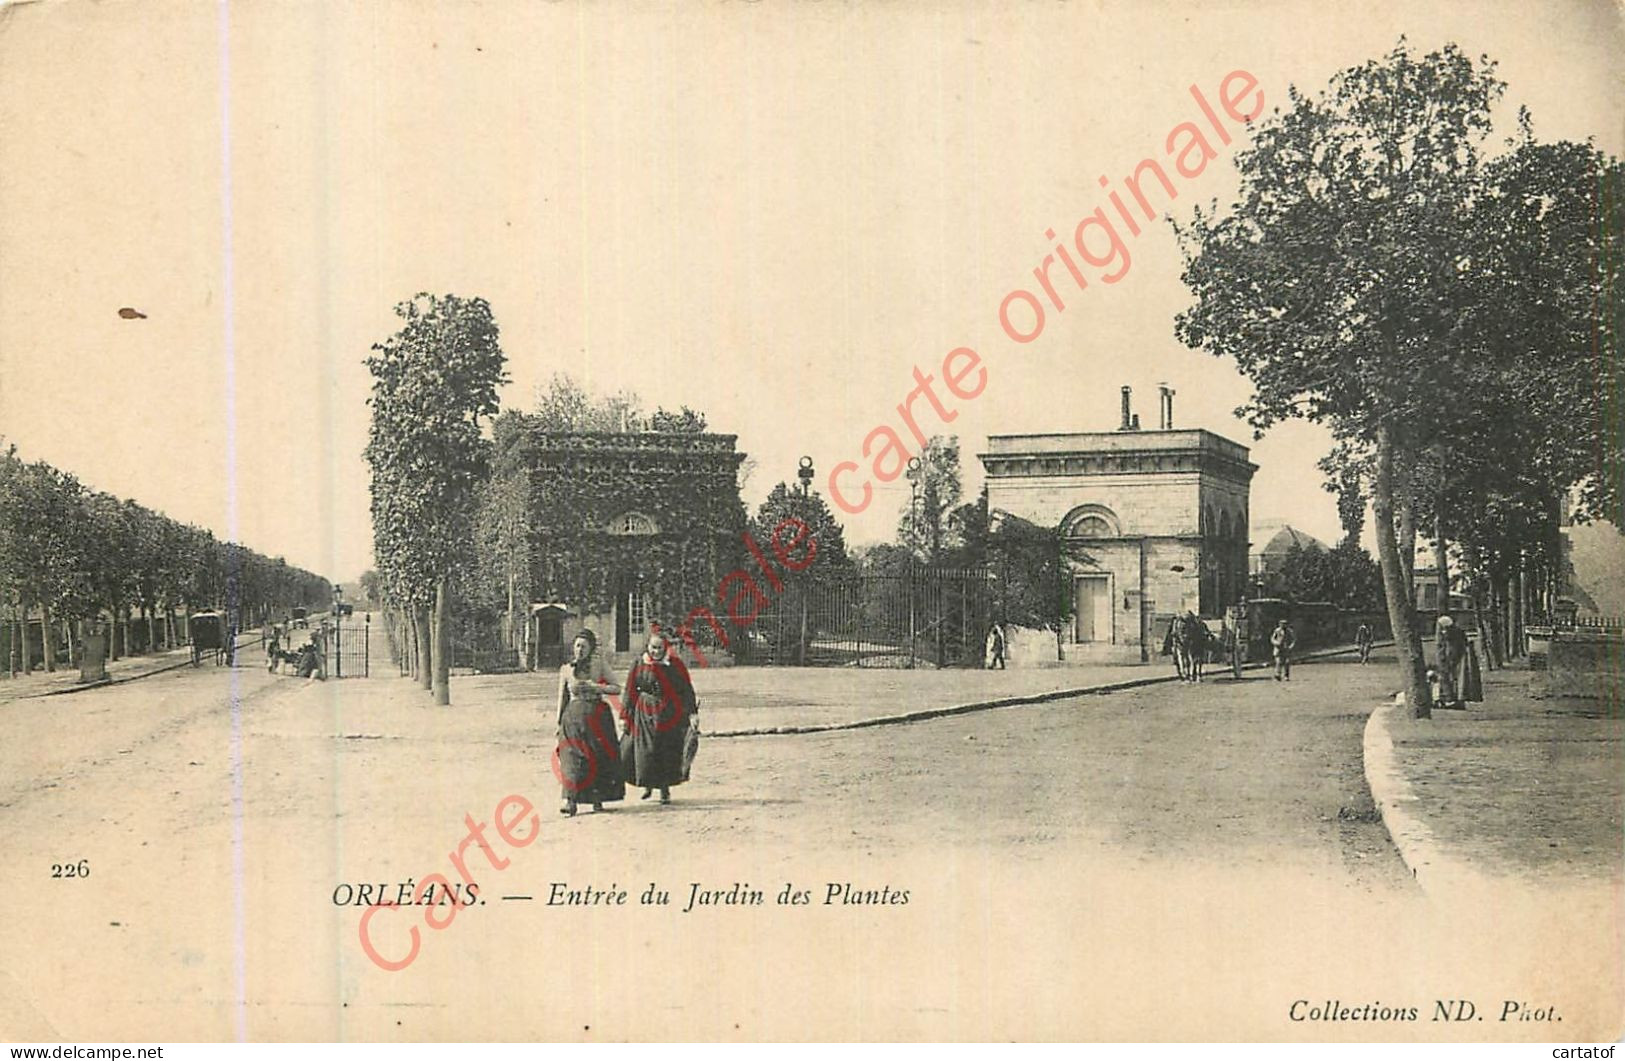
1285	538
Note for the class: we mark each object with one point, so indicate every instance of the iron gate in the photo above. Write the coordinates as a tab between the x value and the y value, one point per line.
928	616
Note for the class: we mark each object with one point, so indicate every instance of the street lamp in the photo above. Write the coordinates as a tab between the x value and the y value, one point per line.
338	632
914	528
913	492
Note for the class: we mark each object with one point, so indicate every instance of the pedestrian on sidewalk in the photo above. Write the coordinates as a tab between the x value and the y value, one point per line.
588	756
1362	641
1460	679
1471	683
659	707
995	647
1449	645
1282	642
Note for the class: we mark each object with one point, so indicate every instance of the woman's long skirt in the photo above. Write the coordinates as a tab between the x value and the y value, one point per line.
589	757
658	749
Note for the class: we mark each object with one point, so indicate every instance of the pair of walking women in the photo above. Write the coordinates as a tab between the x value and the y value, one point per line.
657	716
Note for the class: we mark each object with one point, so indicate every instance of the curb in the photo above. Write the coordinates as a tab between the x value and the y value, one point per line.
110	680
1438	875
992	705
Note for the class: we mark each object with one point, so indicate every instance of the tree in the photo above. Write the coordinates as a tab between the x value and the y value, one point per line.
11	548
114	559
1032	570
685	421
1345	576
1333	281
433	380
788	502
971	526
925	527
564	405
372	588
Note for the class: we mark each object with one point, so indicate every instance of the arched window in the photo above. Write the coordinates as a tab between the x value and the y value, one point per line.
1224	525
1091	527
630	523
1091	521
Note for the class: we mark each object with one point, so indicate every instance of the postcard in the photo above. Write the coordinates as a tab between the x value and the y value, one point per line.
811	520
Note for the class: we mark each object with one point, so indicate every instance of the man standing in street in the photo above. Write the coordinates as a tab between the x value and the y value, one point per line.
1362	641
995	647
1282	641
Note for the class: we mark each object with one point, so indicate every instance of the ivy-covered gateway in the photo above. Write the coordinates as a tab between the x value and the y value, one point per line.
619	529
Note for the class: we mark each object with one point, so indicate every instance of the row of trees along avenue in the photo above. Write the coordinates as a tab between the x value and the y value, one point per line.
1447	305
70	554
433	381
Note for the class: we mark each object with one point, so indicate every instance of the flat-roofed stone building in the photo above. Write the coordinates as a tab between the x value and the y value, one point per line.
618	530
1159	516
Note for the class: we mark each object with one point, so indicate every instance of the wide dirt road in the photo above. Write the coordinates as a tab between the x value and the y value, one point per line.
1171	860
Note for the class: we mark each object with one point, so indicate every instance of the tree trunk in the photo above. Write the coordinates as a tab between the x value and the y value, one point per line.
1502	619
1441	552
28	654
425	656
1407	545
1495	637
1396	590
409	630
1515	603
47	647
513	622
441	643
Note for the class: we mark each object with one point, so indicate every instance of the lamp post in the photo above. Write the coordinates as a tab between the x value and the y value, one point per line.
338	631
914	528
804	472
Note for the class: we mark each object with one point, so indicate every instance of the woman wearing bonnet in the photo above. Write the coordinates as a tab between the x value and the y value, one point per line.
588	756
659	707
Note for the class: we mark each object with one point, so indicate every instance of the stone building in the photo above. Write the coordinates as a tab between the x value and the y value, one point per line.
1279	539
1160	517
619	530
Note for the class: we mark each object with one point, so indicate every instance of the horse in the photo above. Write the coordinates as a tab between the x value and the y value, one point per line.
1170	647
1190	639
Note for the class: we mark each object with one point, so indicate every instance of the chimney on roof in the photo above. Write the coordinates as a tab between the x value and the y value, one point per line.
1165	404
1128	419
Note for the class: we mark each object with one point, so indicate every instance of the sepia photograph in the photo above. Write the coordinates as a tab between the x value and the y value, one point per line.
812	521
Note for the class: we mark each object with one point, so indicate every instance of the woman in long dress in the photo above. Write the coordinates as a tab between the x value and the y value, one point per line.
658	709
588	759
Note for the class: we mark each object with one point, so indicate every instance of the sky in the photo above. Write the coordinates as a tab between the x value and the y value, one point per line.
772	212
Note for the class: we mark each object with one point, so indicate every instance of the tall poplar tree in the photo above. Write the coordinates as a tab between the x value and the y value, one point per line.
433	381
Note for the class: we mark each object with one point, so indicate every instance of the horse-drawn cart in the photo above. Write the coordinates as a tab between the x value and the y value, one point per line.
212	635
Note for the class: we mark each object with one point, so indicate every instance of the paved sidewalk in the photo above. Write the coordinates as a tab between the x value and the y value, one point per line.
1517	788
65	679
